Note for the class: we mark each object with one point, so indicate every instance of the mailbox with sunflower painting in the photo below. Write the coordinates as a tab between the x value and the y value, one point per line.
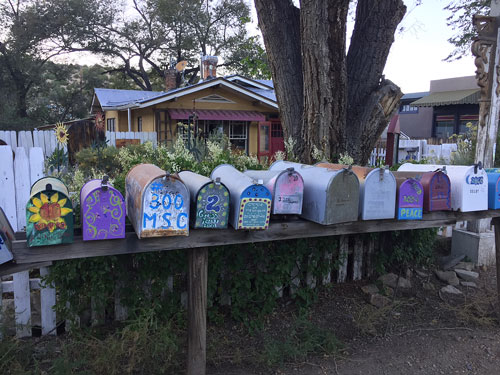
49	214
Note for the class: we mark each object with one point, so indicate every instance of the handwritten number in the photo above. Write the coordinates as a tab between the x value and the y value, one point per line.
166	207
155	202
212	201
180	200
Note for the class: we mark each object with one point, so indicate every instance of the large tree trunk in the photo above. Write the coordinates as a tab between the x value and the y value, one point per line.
329	101
371	99
323	38
279	21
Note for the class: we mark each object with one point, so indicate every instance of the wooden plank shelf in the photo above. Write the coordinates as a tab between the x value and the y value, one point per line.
278	230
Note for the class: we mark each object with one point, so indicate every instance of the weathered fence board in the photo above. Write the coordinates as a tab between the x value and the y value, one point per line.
7	185
22	185
111	137
22	304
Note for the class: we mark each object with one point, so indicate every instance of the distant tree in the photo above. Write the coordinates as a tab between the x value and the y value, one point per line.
460	20
331	101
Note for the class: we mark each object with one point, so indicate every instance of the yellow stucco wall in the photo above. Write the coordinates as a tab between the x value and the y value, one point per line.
240	103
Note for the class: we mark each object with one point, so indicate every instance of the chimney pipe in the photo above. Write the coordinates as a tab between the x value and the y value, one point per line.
170	79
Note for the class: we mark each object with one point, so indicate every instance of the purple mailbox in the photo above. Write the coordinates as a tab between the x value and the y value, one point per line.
410	199
102	211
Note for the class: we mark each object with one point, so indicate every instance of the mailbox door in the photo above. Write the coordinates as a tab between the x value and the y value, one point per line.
56	184
379	195
410	200
254	209
49	219
494	190
439	192
6	238
288	194
342	198
212	206
103	215
165	208
474	191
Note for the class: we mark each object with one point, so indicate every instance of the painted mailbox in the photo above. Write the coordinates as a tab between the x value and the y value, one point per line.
286	187
377	191
493	190
437	189
157	202
49	214
102	210
410	198
250	200
210	201
469	184
330	196
6	238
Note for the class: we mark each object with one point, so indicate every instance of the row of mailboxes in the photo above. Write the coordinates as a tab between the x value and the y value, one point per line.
469	184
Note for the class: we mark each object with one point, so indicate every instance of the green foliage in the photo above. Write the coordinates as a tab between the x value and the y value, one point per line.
303	338
403	249
466	146
57	161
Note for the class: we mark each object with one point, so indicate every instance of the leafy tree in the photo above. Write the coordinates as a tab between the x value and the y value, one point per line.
460	20
330	100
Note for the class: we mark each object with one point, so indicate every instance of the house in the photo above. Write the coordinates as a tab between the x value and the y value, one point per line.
244	109
442	111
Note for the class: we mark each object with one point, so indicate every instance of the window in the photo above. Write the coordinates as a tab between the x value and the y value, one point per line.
139	124
445	126
238	134
466	119
407	108
276	131
110	125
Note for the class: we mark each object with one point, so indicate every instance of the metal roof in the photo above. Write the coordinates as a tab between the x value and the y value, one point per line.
111	98
415	95
436	99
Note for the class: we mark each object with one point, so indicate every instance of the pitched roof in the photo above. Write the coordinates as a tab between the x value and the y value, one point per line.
113	98
455	97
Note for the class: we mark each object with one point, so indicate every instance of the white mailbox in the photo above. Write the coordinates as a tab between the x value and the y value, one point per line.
469	184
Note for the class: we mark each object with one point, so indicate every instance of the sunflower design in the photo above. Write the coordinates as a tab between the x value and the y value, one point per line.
61	133
99	121
47	214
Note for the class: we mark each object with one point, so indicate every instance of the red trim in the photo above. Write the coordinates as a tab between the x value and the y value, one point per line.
210	114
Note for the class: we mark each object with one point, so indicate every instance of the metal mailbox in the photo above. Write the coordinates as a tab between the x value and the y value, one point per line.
157	202
330	196
102	211
210	201
377	191
6	238
437	189
469	184
250	200
286	187
493	190
49	214
410	199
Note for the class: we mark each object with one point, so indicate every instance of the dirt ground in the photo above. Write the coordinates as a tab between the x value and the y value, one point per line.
419	333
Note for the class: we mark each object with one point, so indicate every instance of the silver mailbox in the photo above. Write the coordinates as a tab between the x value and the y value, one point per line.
330	196
286	187
377	191
209	201
250	200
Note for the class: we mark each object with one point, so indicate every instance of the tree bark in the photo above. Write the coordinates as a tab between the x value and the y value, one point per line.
279	21
323	42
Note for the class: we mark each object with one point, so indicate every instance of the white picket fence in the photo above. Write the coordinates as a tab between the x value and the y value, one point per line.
377	157
16	178
419	149
111	137
45	139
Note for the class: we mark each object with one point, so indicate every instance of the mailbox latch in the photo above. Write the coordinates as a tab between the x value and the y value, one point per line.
104	183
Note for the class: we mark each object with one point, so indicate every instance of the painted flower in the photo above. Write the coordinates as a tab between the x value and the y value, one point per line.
48	213
99	121
61	133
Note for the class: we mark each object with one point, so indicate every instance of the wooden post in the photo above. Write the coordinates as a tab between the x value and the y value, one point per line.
197	310
496	223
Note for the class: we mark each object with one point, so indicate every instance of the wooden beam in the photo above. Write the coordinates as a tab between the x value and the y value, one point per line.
11	267
496	223
293	229
197	311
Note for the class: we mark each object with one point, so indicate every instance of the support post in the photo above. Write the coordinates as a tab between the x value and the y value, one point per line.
496	223
197	310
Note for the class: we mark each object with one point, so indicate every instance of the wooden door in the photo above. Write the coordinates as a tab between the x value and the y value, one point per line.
277	141
264	141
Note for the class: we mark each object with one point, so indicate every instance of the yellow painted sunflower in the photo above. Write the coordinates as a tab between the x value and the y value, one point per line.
48	213
61	133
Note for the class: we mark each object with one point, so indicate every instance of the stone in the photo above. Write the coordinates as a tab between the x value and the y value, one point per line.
379	300
467	275
421	273
449	277
468	284
391	280
370	289
449	291
409	273
450	261
468	266
428	286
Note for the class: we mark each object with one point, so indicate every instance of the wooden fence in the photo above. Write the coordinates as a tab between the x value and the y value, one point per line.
45	139
111	137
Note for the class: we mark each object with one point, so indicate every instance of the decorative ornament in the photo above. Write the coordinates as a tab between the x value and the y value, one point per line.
47	213
99	121
61	133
